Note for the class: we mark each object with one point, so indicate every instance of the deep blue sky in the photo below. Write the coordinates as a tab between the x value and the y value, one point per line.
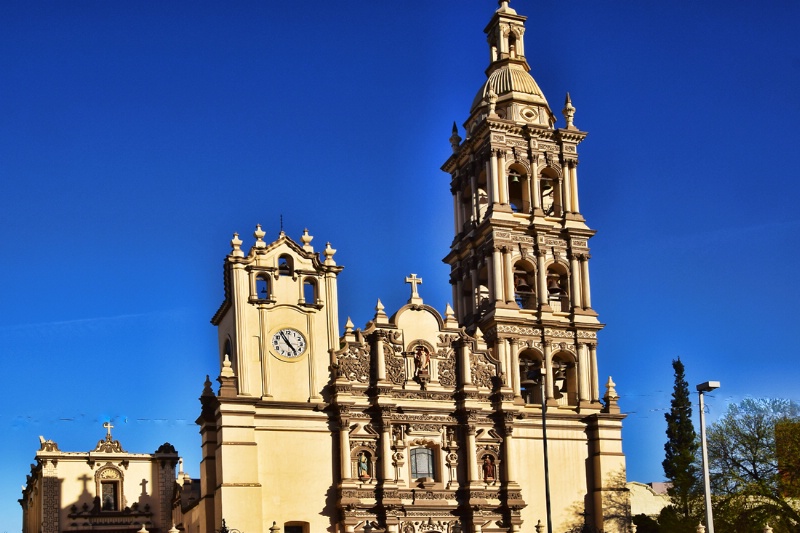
136	137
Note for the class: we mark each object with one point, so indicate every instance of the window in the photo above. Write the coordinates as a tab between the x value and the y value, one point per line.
109	495
310	291
292	529
422	463
525	286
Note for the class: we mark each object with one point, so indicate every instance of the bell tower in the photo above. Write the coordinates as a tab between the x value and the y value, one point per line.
520	256
519	270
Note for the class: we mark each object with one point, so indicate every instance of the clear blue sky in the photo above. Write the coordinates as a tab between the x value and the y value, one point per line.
136	137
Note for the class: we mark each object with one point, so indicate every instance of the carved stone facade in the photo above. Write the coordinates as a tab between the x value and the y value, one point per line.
106	489
421	421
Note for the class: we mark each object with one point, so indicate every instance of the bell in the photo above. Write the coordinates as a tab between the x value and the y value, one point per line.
514	178
552	286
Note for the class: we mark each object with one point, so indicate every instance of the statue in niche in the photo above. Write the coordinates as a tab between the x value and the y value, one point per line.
422	360
363	466
488	468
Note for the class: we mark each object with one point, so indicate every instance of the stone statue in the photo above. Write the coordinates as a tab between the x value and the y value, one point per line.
422	360
488	468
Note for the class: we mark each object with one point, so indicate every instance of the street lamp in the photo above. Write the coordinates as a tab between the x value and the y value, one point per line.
708	386
536	376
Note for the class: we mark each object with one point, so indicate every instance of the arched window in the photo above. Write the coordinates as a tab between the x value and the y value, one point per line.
285	265
525	285
517	183
310	291
422	463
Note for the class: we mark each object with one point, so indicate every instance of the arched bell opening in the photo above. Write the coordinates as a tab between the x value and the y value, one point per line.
531	373
550	193
558	287
262	287
525	285
285	265
518	189
310	295
565	379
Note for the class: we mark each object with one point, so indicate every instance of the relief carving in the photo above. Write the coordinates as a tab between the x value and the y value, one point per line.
482	370
354	364
447	370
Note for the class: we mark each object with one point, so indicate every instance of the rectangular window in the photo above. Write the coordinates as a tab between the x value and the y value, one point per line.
109	495
292	529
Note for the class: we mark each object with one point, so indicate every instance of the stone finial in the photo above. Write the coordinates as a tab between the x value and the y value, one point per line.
414	281
348	326
634	527
306	240
259	235
174	529
701	528
275	528
380	314
569	113
236	246
207	390
227	379
492	97
767	529
329	255
227	370
504	7
143	530
455	140
538	527
450	317
611	397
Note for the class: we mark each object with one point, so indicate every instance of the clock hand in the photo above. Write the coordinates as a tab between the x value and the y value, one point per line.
289	344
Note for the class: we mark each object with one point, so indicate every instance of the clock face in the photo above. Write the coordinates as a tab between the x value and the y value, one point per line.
289	343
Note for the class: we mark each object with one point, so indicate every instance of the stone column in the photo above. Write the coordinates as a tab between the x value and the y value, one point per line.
466	371
344	445
459	305
508	459
575	204
494	197
475	201
536	197
502	356
497	269
508	276
575	282
541	278
587	295
380	360
386	452
567	188
584	372
548	365
472	466
514	370
593	377
501	178
475	287
457	207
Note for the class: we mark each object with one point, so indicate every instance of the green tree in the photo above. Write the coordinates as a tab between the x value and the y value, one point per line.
680	461
753	478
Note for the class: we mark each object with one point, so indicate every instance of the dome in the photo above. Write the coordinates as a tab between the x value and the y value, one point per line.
510	78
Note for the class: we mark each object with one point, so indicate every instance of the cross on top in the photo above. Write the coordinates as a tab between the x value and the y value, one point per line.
108	427
414	281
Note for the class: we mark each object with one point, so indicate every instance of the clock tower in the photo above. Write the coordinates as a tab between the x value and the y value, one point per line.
277	328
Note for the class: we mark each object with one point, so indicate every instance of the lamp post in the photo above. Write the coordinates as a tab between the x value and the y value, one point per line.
535	376
708	386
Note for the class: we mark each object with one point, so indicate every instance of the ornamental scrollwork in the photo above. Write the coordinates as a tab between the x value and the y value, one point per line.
447	371
354	364
482	371
395	368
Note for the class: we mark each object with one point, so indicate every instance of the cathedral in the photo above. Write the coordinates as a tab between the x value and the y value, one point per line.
486	418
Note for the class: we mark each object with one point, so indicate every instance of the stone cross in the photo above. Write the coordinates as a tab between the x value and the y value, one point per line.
108	427
414	281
